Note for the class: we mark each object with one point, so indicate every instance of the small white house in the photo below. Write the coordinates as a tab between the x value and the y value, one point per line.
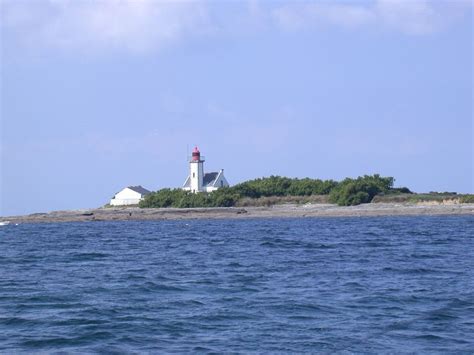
197	181
131	195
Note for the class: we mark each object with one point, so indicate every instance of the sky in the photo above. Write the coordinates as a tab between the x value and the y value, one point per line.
99	95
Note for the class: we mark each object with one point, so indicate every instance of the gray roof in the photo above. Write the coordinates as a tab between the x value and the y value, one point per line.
187	183
209	178
140	190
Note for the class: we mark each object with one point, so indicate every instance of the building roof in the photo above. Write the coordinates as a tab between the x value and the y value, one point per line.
187	183
209	178
139	189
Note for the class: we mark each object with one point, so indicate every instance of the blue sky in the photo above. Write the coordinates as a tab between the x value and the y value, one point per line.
99	95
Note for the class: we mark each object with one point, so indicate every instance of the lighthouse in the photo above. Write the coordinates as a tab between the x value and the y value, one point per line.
197	180
196	170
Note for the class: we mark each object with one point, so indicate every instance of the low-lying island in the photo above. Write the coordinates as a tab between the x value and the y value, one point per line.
279	211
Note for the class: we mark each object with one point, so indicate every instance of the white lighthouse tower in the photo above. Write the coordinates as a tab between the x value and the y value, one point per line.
196	171
198	181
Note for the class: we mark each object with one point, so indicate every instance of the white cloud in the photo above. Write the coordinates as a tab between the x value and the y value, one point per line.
136	25
298	16
415	17
143	25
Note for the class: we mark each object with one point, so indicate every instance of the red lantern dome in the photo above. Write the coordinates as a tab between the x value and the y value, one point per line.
196	155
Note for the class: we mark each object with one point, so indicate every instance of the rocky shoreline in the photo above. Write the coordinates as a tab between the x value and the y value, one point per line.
279	211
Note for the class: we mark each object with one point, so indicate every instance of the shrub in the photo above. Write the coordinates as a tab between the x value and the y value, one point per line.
224	197
163	198
283	186
467	199
351	192
345	193
398	190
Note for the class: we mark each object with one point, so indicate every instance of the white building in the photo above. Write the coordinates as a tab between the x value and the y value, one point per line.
198	181
129	196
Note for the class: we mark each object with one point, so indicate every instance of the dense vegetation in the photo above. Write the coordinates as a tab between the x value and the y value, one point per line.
283	186
437	197
344	193
467	198
361	190
223	197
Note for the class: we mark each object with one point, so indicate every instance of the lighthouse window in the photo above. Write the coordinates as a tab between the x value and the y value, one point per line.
194	175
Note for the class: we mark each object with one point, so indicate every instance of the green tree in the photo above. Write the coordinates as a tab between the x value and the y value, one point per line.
361	190
347	192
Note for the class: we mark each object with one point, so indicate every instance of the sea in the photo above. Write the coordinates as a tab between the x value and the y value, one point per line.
290	285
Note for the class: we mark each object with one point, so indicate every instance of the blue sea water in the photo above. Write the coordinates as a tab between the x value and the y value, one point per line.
403	284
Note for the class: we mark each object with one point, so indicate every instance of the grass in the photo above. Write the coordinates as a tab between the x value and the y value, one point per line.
468	198
281	200
428	197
